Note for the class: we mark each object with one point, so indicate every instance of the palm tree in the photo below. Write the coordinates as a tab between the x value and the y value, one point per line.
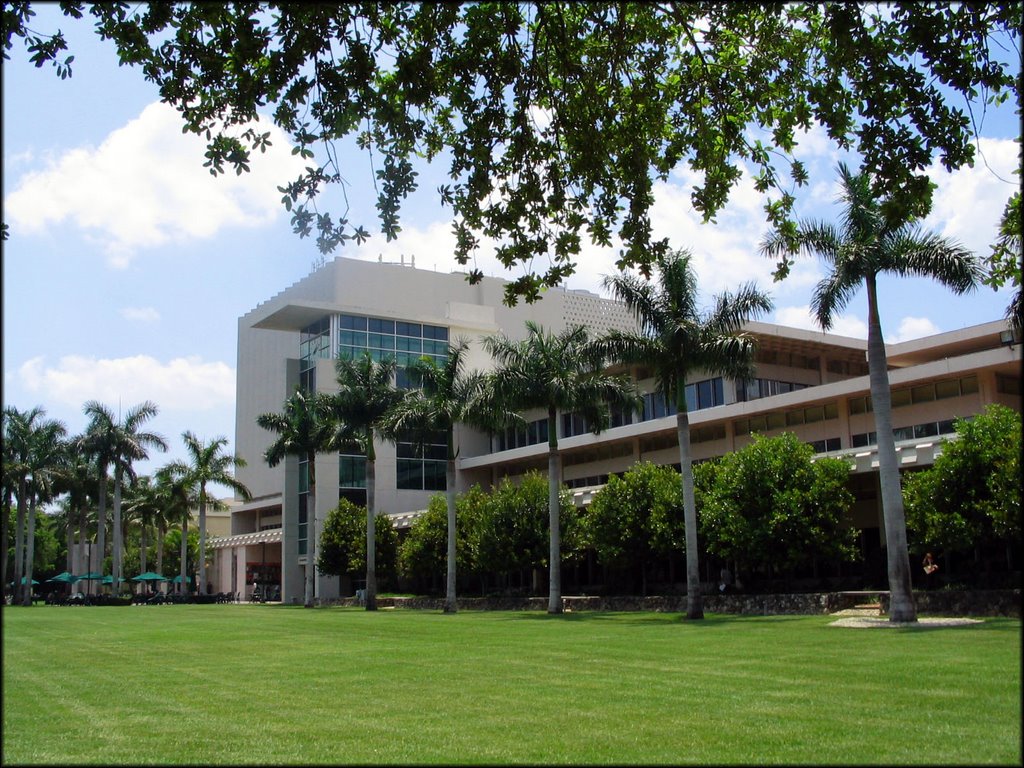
35	449
98	443
77	481
142	504
11	471
175	501
448	396
130	445
208	464
865	245
366	395
676	339
557	372
304	429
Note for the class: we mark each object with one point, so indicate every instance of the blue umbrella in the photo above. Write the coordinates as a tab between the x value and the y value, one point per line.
177	579
23	581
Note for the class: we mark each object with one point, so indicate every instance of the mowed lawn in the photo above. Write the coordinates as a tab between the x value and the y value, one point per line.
210	684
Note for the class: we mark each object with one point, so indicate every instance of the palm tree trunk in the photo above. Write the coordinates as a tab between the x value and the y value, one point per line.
161	533
70	522
450	601
4	542
115	565
83	533
19	537
30	547
555	544
694	597
371	531
202	538
310	534
184	554
142	548
99	553
901	599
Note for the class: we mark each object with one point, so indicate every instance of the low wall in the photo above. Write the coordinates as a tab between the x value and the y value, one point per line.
947	603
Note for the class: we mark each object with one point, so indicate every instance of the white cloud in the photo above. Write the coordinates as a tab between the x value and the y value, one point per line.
183	383
140	314
913	328
145	186
968	203
801	317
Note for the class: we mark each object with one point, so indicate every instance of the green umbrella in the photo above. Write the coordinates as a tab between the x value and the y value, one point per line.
91	576
149	576
109	579
65	578
177	579
23	581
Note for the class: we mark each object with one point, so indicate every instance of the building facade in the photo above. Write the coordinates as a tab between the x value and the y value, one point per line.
810	383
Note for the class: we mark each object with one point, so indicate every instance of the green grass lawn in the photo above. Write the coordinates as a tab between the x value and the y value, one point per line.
201	684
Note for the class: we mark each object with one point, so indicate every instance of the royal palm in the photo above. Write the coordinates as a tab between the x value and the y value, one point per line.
867	244
303	429
675	340
366	395
208	463
448	396
557	372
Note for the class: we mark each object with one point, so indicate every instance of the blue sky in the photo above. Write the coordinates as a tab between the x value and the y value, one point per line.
128	265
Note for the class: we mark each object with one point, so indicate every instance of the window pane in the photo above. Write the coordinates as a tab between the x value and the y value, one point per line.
926	430
923	394
814	414
408	329
380	341
410	474
900	397
969	385
352	322
379	325
775	420
948	388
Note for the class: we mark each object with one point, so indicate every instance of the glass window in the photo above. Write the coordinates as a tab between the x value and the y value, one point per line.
408	345
434	478
408	329
379	325
794	418
380	341
969	385
410	474
926	430
775	420
814	414
691	397
831	411
947	388
924	393
900	397
903	433
352	471
351	322
946	427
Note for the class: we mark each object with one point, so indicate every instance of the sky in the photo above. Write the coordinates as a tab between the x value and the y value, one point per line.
128	264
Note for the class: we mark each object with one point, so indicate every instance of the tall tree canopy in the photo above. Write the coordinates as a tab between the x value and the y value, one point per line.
556	119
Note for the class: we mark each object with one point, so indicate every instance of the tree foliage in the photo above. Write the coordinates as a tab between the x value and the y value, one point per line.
556	119
971	494
342	548
769	504
637	517
423	553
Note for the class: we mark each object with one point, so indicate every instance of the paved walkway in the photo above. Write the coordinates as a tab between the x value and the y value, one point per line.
865	617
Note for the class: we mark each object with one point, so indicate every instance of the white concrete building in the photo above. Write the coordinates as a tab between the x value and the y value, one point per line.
810	383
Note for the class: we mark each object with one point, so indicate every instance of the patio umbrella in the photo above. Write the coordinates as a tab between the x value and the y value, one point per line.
177	579
149	576
110	579
91	576
11	583
65	578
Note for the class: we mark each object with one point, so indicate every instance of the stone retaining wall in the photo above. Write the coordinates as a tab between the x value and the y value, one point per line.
946	603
